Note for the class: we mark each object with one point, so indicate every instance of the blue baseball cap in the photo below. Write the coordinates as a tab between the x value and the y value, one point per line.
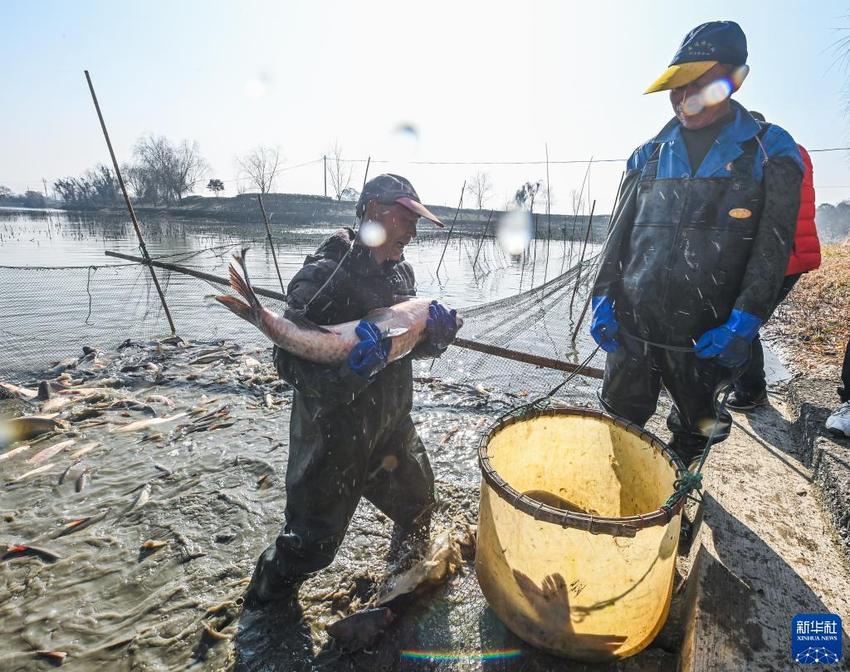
703	48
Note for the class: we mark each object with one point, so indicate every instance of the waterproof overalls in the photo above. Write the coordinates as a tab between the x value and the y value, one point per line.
683	251
349	437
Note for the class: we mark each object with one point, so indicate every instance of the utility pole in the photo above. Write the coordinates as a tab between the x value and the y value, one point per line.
325	164
44	182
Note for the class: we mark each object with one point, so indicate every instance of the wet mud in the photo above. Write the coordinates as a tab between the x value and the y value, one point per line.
132	547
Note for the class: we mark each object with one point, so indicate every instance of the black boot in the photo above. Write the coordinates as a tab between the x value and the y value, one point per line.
408	544
270	583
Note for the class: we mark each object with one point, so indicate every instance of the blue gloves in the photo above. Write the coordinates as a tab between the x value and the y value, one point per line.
729	343
604	326
370	355
441	325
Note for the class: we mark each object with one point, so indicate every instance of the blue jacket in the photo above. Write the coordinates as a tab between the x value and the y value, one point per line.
673	160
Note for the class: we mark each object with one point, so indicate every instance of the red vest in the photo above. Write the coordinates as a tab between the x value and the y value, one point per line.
805	255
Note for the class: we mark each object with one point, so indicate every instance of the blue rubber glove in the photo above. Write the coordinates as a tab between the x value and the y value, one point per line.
729	343
370	355
441	325
604	326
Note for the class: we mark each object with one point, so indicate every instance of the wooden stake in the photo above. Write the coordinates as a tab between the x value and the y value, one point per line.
452	228
142	246
481	242
271	243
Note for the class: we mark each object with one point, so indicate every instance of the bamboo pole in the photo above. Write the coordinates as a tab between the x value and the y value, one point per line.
135	221
589	294
581	259
481	242
526	358
208	277
271	242
452	228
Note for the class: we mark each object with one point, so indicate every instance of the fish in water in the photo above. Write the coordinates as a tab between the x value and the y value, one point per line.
82	480
85	448
80	524
33	472
23	550
141	499
50	451
15	451
149	422
361	629
556	501
404	323
441	560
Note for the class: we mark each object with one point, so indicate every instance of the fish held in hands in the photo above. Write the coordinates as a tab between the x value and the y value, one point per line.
403	323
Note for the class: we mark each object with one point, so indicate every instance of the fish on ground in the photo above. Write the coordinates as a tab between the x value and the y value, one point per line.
361	629
24	550
404	323
139	425
50	451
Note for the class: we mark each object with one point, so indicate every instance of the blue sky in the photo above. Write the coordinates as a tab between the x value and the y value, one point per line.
480	81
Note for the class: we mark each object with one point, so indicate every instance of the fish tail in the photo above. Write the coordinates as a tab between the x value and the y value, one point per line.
236	306
240	282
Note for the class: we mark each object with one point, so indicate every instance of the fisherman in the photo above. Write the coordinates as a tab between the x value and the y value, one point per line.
698	247
751	387
351	434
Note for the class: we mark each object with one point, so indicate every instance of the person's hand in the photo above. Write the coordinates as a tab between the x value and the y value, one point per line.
370	355
730	342
441	325
604	326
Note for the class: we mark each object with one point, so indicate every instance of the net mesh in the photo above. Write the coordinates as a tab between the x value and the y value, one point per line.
51	312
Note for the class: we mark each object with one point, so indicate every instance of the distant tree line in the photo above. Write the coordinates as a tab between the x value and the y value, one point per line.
161	173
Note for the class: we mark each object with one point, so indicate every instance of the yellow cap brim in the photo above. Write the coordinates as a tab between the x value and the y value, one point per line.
680	75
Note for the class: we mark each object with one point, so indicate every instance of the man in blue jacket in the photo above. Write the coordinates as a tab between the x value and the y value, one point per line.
698	246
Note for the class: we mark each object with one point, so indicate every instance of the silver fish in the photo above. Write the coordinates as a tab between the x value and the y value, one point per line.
404	323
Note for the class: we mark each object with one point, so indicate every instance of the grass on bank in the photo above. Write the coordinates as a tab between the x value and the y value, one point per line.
813	324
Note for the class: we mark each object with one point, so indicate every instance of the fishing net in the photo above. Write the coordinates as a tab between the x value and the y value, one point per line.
50	313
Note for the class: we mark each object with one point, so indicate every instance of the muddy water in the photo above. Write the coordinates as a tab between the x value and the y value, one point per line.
216	494
216	498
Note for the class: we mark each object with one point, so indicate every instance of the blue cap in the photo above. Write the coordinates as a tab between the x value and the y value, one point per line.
705	46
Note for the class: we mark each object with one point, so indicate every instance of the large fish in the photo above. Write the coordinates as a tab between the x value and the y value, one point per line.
403	323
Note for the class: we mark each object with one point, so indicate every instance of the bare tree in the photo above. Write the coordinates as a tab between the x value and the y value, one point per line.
189	168
338	173
261	167
479	186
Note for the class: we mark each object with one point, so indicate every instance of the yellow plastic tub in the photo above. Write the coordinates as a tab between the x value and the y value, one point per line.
575	554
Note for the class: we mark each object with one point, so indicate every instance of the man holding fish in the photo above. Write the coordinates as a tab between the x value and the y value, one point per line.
351	434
